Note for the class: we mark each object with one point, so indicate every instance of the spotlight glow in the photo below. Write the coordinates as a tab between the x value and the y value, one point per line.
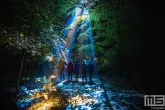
46	104
52	77
51	58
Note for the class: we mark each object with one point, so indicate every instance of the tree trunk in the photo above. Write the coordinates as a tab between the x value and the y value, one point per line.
25	65
20	71
118	22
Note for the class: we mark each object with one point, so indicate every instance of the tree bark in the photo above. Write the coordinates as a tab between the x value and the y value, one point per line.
25	65
20	71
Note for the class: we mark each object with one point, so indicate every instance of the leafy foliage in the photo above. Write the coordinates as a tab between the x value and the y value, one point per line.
105	34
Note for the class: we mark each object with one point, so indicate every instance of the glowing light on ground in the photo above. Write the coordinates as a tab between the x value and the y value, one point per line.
81	100
44	98
82	96
46	104
52	77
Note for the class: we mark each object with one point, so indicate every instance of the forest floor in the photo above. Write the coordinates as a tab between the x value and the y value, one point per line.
39	94
100	96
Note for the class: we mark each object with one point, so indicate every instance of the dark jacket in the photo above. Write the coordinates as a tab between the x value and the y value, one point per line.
77	67
70	66
91	67
84	68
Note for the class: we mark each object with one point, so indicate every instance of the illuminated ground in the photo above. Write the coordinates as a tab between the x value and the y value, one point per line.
44	95
87	96
83	95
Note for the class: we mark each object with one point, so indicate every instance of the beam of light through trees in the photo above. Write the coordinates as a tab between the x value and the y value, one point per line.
71	33
92	46
88	39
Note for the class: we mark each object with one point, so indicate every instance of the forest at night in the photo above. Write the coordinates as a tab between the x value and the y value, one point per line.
81	54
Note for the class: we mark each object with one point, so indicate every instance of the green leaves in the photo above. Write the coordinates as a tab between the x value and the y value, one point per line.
30	19
84	35
104	22
86	47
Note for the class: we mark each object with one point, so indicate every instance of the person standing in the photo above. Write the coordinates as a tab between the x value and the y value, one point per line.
74	67
62	75
70	70
77	70
65	69
90	71
61	71
87	67
84	71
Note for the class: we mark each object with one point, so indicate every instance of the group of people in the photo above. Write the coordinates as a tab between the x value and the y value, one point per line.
83	69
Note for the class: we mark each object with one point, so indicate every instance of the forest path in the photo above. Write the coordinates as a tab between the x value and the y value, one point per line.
100	96
79	95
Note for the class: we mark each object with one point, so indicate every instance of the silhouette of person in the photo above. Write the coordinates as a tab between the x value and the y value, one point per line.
77	70
70	70
84	71
62	75
90	70
74	67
